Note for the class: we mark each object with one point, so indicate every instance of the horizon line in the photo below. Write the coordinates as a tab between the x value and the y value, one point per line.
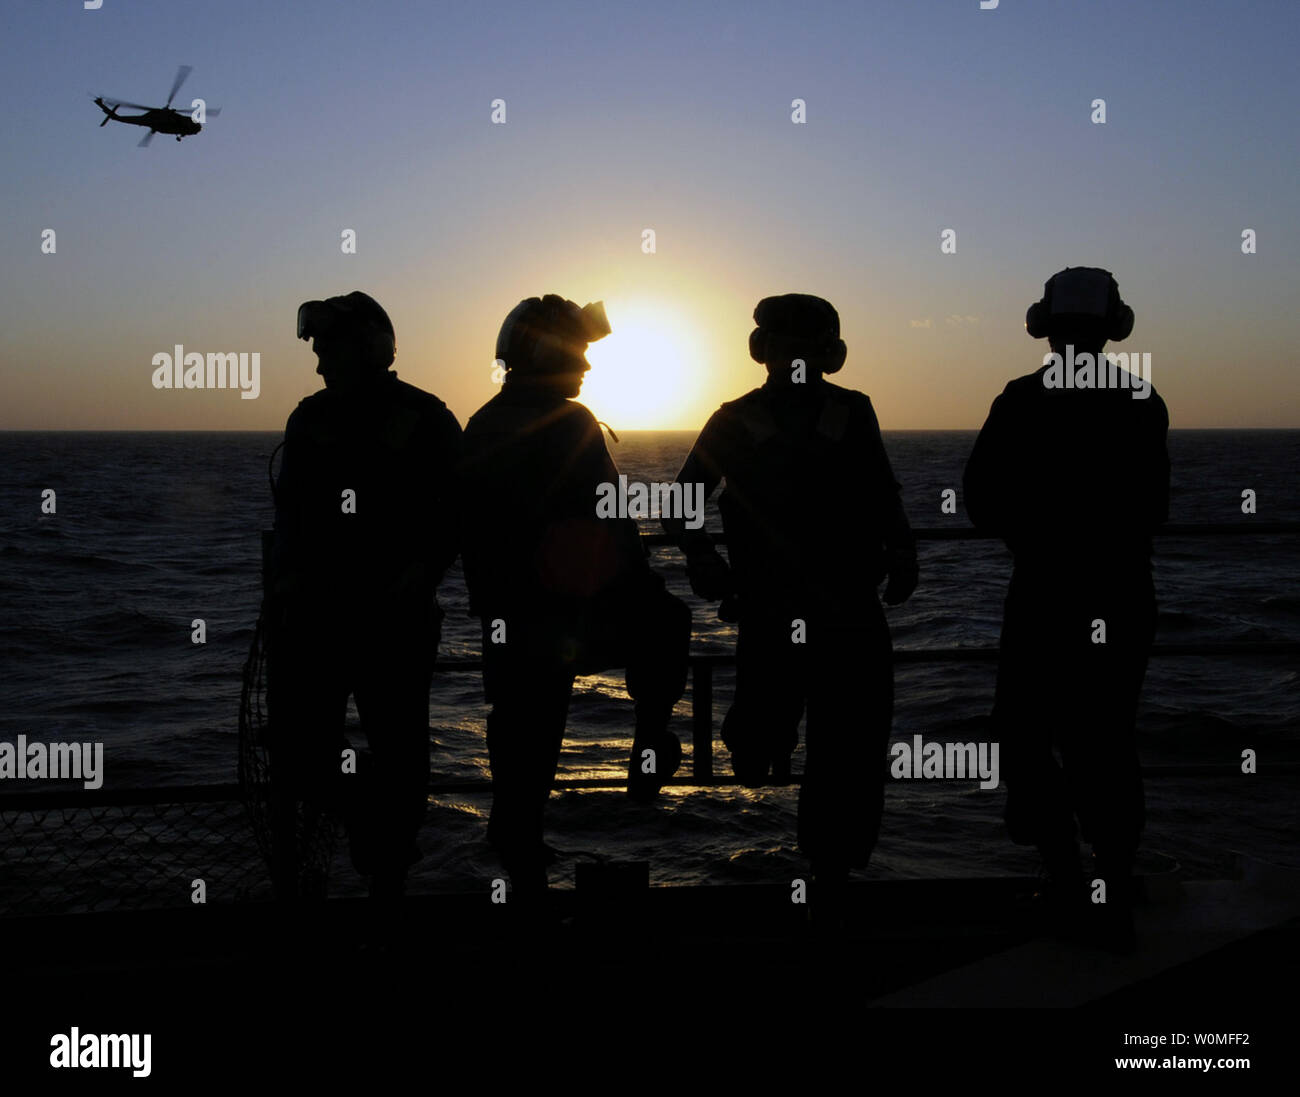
625	430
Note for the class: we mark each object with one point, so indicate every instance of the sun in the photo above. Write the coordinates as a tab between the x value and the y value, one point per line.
647	373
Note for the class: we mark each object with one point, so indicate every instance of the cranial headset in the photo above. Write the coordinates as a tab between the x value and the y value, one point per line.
1087	293
539	324
811	321
358	318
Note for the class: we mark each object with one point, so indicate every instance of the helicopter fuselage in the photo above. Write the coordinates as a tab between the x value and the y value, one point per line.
160	120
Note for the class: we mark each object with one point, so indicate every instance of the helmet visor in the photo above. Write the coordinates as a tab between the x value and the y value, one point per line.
309	318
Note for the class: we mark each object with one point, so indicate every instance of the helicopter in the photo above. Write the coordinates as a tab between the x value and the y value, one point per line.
158	119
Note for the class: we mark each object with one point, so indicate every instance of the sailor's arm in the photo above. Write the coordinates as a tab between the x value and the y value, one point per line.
285	578
1158	463
433	455
709	574
896	530
446	457
984	483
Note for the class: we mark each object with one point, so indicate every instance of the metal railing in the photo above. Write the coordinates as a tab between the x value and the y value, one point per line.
702	666
154	833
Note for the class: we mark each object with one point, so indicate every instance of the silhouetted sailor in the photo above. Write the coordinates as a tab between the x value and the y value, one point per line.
1071	470
560	591
363	535
814	523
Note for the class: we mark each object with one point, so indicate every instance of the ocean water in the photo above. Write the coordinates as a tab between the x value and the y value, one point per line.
153	530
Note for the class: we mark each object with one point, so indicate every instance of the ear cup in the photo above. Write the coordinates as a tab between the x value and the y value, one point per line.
835	355
1121	323
1036	320
758	346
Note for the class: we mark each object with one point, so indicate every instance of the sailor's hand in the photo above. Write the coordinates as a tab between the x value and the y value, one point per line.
710	575
903	574
729	610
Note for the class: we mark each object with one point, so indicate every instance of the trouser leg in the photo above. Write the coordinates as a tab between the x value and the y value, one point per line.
850	711
393	704
525	732
1038	809
1030	706
307	706
1057	685
657	640
1100	754
762	724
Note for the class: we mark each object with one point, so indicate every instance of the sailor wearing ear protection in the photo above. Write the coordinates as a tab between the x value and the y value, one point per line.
560	591
814	523
1074	481
364	531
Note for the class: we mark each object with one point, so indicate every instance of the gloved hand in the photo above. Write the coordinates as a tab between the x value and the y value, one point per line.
903	574
710	575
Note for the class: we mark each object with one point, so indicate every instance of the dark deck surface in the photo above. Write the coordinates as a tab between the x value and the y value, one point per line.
665	970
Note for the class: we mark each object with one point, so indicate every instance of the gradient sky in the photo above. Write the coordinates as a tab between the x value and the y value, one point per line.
673	116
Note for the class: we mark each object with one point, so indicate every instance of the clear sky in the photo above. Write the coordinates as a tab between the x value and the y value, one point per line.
921	116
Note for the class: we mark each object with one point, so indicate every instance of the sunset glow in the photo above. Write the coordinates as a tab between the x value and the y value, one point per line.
648	373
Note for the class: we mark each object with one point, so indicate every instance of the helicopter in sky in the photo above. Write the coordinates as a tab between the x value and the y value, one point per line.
158	119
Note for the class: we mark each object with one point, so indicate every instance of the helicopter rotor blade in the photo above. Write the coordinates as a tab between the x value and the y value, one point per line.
181	74
144	141
212	112
123	103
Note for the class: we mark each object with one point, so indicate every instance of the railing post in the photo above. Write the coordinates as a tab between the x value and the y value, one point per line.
702	720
